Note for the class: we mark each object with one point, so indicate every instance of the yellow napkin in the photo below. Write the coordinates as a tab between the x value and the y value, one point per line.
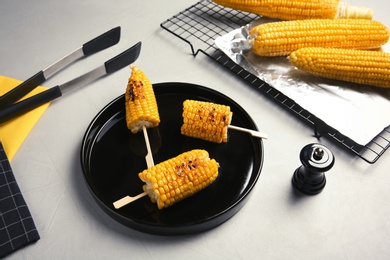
13	133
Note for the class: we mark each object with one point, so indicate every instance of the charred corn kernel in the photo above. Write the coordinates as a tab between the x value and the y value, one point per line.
206	120
141	104
282	38
358	66
299	9
182	176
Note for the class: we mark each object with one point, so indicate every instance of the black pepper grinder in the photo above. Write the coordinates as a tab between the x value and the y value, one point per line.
309	178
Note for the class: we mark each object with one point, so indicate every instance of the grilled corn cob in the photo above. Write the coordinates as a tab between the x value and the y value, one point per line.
358	66
141	104
206	120
178	178
281	38
299	9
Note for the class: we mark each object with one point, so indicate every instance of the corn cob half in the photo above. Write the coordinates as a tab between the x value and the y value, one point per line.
206	120
180	177
299	9
282	38
358	66
141	104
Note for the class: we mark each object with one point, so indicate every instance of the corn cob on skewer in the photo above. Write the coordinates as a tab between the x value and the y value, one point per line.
210	121
358	66
180	177
141	104
175	179
206	120
299	9
282	38
141	107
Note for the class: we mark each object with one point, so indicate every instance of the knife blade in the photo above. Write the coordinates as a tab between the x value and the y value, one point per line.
97	44
125	58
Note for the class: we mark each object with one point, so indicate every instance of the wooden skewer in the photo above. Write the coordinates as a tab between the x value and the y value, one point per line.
252	132
128	199
149	156
149	162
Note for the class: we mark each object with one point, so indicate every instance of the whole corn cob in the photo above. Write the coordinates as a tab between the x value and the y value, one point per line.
178	178
141	104
282	38
206	120
299	9
358	66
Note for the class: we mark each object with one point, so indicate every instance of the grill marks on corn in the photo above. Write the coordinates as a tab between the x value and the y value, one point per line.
206	120
141	104
191	164
282	38
136	90
358	66
180	177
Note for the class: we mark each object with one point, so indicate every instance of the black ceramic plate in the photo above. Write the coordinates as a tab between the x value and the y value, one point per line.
112	157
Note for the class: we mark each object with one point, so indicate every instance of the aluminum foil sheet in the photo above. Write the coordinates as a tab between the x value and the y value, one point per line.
357	111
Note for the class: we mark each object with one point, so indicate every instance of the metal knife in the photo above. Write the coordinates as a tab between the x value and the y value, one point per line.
95	45
125	58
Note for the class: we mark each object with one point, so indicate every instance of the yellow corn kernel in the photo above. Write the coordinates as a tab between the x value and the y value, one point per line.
358	66
299	9
141	104
192	172
206	120
282	38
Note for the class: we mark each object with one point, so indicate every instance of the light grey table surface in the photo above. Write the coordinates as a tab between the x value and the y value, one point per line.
348	220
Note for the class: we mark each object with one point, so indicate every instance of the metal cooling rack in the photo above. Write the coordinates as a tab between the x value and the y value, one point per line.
200	24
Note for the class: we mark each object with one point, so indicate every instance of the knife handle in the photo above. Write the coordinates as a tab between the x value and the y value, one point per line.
103	41
123	58
28	104
22	89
